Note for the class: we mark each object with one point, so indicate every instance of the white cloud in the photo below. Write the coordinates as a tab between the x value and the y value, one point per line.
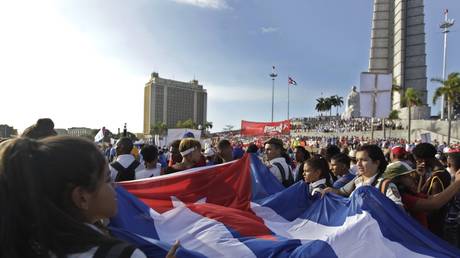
269	29
213	4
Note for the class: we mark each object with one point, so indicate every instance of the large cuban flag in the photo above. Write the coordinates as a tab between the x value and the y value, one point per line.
240	210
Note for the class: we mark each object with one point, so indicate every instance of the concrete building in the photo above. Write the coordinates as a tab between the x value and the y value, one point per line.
79	131
61	131
170	101
7	131
398	47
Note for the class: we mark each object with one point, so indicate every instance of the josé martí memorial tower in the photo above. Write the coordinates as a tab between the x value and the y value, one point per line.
398	47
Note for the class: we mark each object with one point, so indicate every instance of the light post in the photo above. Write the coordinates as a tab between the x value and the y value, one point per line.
445	30
273	76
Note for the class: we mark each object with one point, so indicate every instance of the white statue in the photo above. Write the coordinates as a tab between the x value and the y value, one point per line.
352	109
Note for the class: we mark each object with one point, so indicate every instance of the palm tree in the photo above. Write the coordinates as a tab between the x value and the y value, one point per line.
411	98
320	105
328	105
208	125
451	89
159	128
394	115
337	102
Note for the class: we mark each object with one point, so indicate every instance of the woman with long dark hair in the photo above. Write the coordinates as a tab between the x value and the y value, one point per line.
371	164
52	192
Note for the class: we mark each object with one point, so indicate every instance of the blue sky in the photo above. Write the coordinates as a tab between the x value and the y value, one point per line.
85	62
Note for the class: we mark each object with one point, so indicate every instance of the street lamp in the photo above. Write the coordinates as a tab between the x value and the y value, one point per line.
273	76
445	30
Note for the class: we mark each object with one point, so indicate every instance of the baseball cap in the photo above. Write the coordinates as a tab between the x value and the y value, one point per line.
398	150
396	169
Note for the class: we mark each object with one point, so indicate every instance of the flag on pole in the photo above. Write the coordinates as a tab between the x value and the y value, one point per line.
291	81
100	135
239	209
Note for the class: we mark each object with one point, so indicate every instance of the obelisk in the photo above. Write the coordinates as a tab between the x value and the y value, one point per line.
398	47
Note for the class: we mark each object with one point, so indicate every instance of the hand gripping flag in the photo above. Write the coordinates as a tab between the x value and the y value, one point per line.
239	209
291	81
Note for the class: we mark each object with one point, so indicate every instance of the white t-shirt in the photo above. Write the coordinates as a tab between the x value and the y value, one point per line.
125	160
146	173
275	170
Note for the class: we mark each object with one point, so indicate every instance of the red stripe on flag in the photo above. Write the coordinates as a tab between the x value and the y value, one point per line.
227	189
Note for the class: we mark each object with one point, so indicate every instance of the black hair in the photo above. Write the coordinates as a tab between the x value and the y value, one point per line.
175	144
126	145
443	157
305	153
149	153
43	128
342	158
38	215
252	148
317	162
331	151
424	150
224	143
455	160
375	154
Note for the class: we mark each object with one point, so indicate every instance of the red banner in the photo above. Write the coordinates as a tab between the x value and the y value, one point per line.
265	128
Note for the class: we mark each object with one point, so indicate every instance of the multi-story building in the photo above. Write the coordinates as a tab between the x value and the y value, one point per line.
170	101
79	131
7	131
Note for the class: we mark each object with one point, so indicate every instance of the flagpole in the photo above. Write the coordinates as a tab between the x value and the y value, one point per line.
288	101
273	76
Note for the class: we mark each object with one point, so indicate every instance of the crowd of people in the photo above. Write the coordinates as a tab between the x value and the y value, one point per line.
338	125
57	192
422	179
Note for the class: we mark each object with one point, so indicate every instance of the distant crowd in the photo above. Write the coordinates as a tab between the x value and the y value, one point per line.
337	125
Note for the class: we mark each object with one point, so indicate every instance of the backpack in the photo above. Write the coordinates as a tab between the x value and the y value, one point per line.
114	250
286	182
384	185
125	174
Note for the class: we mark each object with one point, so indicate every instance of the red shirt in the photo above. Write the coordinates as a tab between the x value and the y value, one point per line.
409	201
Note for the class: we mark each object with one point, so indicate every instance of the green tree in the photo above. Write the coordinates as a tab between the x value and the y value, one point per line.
451	89
228	128
159	128
321	105
328	102
337	102
186	124
208	125
411	99
394	115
